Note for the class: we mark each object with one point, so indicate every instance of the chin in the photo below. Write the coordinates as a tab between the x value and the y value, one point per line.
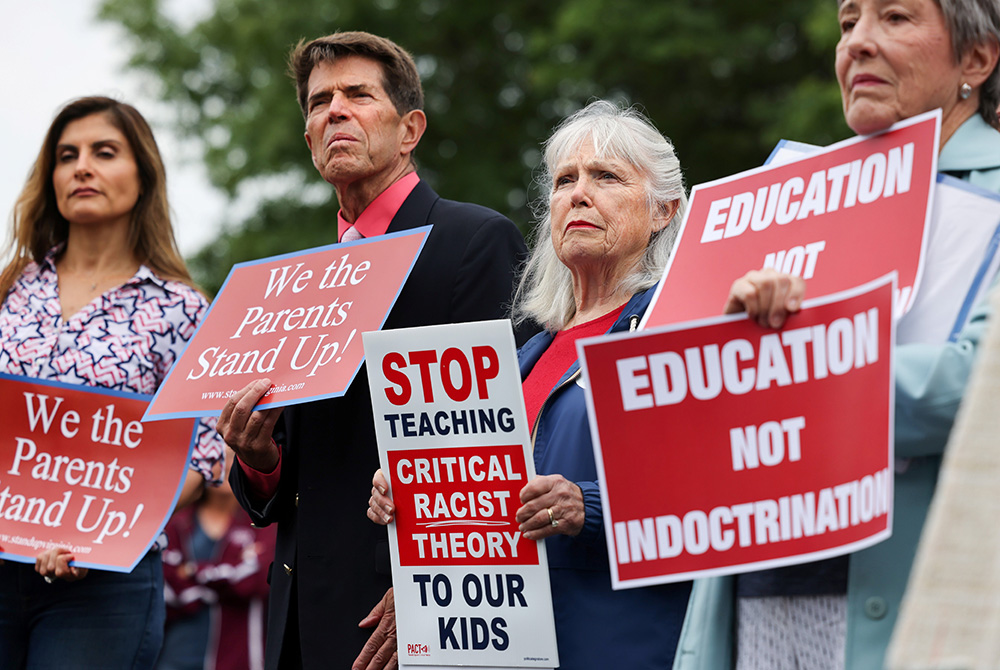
867	121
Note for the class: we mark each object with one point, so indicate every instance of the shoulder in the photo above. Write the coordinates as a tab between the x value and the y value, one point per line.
170	291
464	219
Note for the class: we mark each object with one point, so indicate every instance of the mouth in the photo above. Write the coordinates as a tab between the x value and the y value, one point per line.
84	191
340	138
863	81
580	225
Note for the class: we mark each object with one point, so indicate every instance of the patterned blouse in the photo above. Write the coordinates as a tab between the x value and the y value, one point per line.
125	339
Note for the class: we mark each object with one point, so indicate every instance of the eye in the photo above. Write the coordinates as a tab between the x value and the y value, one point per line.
65	156
846	25
318	101
105	153
608	176
563	180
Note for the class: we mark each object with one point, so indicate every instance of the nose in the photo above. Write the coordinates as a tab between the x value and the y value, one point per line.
862	41
338	109
580	196
83	165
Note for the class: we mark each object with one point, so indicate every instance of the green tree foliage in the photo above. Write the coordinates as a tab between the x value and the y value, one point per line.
725	79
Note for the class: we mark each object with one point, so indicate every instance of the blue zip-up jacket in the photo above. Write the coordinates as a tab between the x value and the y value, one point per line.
596	628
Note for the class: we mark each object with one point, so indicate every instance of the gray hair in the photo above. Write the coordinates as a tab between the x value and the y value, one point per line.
974	22
545	293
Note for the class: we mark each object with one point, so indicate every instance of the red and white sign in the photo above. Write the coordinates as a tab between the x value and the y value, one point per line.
454	444
758	448
78	469
295	319
837	218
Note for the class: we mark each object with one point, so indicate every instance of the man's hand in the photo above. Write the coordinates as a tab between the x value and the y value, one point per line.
249	432
380	650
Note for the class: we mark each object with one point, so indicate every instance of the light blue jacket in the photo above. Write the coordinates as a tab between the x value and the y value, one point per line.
930	381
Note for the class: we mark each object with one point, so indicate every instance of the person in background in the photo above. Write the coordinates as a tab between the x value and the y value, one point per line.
96	294
215	569
362	103
615	196
894	60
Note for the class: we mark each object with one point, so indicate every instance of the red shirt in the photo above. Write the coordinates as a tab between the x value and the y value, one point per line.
557	359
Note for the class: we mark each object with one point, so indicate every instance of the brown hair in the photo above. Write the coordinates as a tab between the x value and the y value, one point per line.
38	226
399	73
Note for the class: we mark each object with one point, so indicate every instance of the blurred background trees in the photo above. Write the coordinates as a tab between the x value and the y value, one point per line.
725	79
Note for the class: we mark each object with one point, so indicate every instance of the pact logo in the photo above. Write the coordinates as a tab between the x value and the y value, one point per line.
417	650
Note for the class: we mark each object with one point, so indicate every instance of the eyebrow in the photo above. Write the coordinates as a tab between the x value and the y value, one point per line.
94	145
350	88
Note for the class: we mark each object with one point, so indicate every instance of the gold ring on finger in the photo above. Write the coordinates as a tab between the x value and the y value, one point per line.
552	520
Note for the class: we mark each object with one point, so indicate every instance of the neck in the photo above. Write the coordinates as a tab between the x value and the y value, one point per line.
354	197
218	500
958	115
596	294
98	249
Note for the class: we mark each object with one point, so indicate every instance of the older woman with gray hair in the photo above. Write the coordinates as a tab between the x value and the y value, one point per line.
614	197
894	60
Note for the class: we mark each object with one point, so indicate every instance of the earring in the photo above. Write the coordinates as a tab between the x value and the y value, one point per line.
964	91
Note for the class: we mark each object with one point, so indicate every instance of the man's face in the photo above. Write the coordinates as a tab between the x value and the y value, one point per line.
352	128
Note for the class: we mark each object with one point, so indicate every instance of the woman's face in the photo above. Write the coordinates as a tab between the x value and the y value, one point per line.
894	60
600	216
96	179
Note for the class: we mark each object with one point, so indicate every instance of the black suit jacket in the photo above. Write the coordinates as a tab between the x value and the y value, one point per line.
330	560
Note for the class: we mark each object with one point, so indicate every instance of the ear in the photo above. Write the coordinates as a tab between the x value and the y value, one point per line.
666	214
412	126
309	143
979	62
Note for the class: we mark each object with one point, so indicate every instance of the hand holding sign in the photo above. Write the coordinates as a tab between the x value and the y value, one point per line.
55	564
767	296
249	432
552	505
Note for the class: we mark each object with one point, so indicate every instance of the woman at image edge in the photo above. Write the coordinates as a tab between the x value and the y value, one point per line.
98	295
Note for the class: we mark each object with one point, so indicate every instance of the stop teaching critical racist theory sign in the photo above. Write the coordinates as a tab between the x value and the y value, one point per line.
79	470
760	448
294	319
454	444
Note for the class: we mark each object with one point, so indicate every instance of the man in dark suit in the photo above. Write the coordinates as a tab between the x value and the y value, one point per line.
361	98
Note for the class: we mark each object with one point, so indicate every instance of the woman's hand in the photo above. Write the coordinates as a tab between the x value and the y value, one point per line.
380	507
767	296
550	505
54	564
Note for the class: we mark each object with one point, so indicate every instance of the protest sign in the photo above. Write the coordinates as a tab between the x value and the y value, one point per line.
960	262
454	444
295	319
837	217
80	470
759	448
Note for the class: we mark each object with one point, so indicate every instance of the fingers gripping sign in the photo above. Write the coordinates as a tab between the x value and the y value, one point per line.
380	507
247	431
379	653
54	564
551	504
767	296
